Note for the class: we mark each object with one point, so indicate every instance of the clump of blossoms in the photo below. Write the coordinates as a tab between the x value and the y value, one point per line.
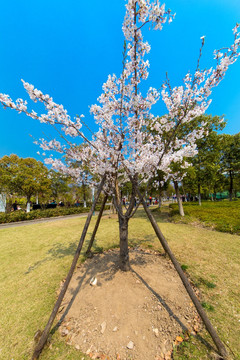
123	113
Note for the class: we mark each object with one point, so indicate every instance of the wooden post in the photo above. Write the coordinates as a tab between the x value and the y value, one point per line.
221	348
96	225
44	336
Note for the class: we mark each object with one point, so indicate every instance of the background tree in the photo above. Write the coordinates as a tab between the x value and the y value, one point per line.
159	186
60	187
24	177
206	163
205	170
230	159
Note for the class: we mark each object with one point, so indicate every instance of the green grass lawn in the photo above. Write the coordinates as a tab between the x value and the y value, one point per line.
35	258
221	215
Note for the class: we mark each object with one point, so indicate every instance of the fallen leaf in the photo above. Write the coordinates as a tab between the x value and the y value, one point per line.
179	339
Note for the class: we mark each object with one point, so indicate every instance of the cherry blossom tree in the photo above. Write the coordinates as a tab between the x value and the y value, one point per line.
121	146
122	149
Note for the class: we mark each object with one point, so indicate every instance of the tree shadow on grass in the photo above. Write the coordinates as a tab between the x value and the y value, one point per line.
144	240
58	251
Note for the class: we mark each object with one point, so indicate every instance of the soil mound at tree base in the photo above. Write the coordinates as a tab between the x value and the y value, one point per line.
140	314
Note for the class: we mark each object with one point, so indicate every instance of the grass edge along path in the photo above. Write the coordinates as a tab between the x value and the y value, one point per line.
35	258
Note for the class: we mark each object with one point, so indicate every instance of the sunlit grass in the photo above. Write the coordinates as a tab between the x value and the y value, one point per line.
220	215
35	258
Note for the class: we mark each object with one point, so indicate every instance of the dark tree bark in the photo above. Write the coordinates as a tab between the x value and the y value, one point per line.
123	219
179	200
160	202
96	225
221	348
44	336
123	234
112	208
160	194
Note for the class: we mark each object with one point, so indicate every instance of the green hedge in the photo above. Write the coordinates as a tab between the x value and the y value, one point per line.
20	215
221	215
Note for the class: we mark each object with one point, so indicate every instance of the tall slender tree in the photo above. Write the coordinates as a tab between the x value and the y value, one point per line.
230	159
24	177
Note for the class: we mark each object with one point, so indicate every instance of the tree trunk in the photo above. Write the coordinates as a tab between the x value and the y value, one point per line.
180	206
112	208
160	203
28	207
84	195
160	198
3	202
231	185
199	195
123	234
214	194
28	204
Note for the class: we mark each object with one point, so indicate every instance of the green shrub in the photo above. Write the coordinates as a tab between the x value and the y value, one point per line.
21	215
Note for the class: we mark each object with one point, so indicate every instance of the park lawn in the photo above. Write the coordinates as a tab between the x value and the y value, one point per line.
220	215
35	258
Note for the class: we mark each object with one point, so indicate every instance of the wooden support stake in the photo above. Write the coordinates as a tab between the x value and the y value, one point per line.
221	348
39	347
96	225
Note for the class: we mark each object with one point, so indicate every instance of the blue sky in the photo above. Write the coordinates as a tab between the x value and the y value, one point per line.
68	48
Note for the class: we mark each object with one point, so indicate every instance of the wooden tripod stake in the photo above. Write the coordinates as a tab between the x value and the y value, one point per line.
88	252
196	302
39	347
221	348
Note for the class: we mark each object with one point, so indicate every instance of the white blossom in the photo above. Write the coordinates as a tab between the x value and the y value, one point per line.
129	139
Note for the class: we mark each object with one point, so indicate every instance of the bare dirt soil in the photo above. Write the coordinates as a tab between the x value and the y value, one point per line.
140	314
